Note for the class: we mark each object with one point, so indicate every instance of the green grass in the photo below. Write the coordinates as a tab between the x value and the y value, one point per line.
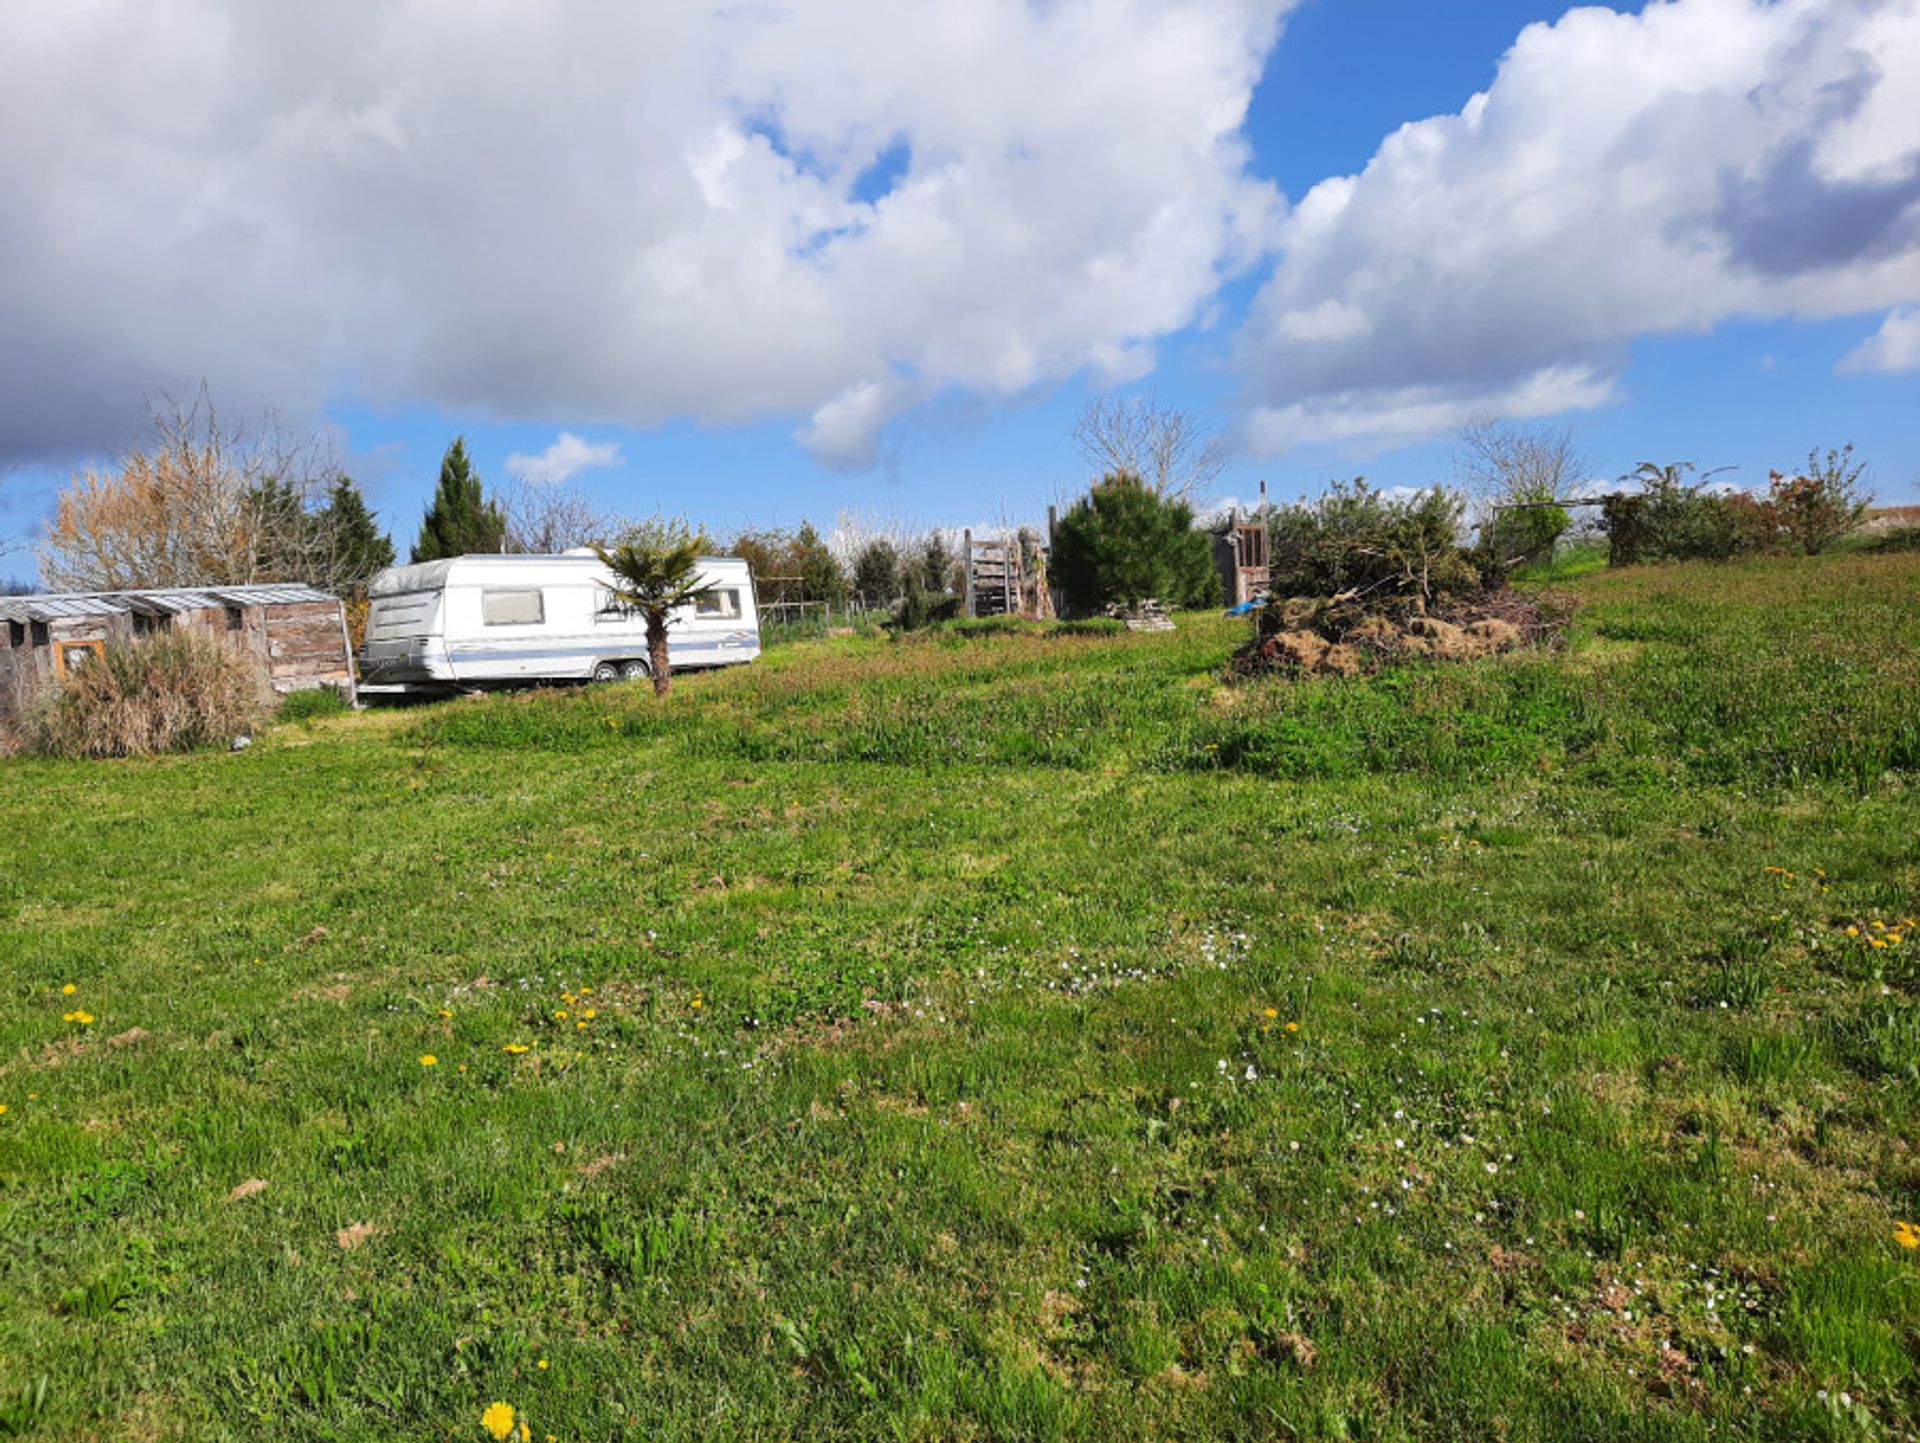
938	1081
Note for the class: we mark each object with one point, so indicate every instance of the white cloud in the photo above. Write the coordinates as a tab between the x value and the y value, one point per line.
1625	175
618	213
1894	347
1373	419
566	458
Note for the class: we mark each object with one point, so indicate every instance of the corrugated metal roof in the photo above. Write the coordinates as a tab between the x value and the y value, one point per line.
278	594
52	606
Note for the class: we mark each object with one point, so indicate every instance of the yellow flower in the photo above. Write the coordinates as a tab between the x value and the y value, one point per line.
525	1435
1894	938
68	990
1880	942
1293	1027
590	1013
498	1420
541	1364
1906	1234
1853	931
3	1107
1269	1012
560	1013
445	1013
83	1018
428	1060
516	1048
696	1002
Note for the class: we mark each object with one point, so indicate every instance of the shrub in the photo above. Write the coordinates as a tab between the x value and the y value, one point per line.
1123	543
1816	509
1384	548
1895	538
1672	519
172	692
313	702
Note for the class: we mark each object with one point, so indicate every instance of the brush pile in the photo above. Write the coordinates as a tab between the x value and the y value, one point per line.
1346	636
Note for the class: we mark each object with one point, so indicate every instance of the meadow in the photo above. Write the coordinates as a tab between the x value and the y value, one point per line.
998	1034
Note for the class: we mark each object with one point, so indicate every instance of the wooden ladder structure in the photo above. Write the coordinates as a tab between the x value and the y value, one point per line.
993	577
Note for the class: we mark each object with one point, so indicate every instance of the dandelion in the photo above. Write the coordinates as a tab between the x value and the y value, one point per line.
696	1003
590	1013
1906	1234
1293	1027
515	1048
445	1013
1853	931
1270	1012
427	1059
68	990
542	1365
498	1421
560	1014
83	1018
3	1109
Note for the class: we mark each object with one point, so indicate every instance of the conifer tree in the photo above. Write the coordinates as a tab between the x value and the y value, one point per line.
359	546
461	521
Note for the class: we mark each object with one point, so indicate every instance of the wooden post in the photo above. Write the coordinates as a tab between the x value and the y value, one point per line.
966	560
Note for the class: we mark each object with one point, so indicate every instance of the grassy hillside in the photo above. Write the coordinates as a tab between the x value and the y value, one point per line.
1014	1036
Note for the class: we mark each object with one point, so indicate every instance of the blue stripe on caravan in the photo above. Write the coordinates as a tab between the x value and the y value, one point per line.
589	653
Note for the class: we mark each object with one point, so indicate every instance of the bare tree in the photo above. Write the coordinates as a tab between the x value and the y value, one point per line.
545	520
1171	450
204	505
1507	462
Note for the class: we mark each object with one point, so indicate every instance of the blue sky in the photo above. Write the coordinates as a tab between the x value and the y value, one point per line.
1337	337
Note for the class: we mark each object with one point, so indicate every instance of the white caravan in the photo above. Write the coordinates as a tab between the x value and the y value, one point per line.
486	621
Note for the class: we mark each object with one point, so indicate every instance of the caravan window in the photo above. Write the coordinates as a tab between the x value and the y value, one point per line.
518	606
719	605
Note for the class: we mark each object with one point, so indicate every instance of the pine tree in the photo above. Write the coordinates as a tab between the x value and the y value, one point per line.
359	546
461	521
1123	543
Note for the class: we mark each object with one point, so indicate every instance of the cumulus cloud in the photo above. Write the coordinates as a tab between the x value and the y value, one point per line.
1894	347
617	213
1625	175
566	458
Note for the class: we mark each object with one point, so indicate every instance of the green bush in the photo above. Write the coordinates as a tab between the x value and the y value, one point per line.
1357	539
1124	544
311	703
1896	538
173	692
1672	519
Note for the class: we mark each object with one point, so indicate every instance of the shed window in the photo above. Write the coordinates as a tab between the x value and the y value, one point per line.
501	606
16	633
38	630
719	605
146	625
70	658
236	618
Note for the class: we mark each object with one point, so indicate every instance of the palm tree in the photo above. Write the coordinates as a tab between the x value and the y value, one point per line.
652	578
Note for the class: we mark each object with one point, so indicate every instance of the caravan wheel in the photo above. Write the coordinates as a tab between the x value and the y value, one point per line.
606	671
634	670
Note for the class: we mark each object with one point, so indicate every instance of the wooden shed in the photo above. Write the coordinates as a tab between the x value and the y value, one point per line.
296	635
1240	555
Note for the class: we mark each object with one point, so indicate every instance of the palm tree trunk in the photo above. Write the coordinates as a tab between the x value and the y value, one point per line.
657	653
